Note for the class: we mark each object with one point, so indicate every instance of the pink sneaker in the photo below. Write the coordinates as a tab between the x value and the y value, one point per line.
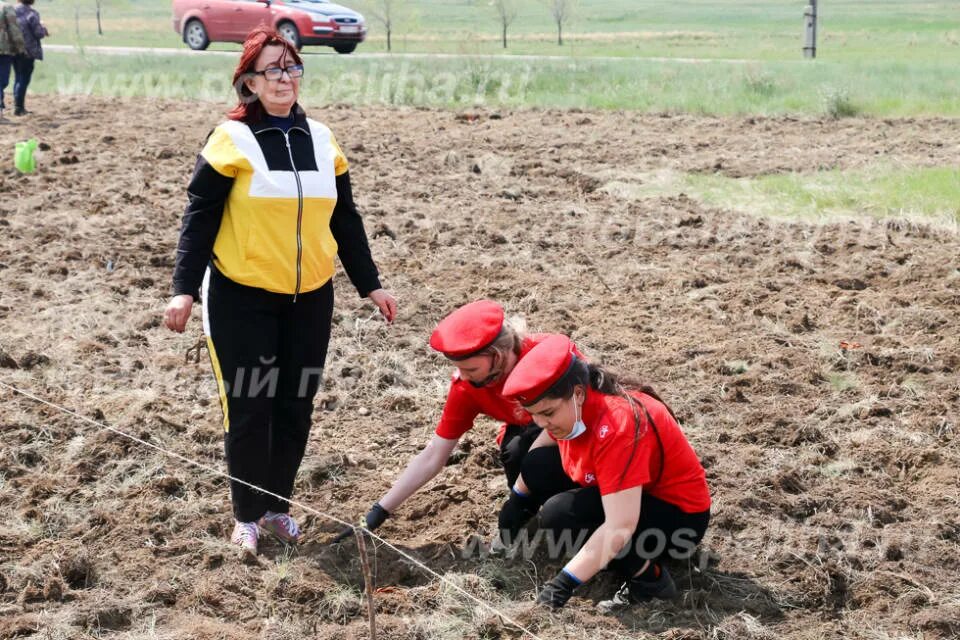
281	526
245	536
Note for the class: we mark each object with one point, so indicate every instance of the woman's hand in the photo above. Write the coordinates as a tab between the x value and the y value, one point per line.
385	302
556	592
514	516
178	312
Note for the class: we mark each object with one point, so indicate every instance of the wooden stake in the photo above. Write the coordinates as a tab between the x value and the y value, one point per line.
368	582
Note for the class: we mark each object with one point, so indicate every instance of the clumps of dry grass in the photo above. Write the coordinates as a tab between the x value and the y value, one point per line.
443	612
108	615
340	604
50	628
453	602
742	626
324	468
735	367
714	594
840	381
279	575
281	628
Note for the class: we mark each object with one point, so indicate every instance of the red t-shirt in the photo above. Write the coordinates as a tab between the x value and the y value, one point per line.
465	402
598	457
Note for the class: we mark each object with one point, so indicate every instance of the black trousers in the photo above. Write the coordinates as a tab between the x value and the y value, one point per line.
542	469
23	71
267	353
6	64
663	530
516	441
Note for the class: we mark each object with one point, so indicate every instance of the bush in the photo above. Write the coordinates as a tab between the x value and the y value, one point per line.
837	104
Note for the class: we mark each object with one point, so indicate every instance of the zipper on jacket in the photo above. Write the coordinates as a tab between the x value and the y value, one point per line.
296	175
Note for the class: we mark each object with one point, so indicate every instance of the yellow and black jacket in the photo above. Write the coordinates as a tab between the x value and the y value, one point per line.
272	209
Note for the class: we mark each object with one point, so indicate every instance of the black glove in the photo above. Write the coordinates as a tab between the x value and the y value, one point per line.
517	441
514	514
556	592
374	518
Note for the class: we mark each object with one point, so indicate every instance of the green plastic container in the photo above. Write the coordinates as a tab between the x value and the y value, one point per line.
23	158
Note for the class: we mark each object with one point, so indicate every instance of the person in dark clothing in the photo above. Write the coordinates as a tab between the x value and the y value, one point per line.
33	32
636	492
11	45
270	206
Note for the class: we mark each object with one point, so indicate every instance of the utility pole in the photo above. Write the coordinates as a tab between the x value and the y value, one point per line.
810	30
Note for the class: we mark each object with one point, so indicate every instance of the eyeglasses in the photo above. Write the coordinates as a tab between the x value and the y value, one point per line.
275	73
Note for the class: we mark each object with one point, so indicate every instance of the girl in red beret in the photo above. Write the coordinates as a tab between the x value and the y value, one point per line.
636	493
484	348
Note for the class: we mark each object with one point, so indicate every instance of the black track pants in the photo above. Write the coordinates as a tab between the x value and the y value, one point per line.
267	353
514	446
542	469
663	531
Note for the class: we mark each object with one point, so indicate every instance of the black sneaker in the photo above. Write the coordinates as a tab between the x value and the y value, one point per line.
634	591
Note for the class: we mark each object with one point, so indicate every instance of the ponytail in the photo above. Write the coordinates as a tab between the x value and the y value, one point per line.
612	384
633	402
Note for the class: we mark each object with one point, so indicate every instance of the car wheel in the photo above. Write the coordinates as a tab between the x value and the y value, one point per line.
195	35
289	32
345	48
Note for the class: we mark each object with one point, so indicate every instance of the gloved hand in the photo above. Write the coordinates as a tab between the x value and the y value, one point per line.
514	514
374	518
556	592
518	439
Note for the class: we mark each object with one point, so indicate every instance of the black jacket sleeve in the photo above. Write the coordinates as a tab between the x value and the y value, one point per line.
207	194
352	246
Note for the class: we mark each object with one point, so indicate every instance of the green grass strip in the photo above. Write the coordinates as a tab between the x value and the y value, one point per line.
929	194
715	88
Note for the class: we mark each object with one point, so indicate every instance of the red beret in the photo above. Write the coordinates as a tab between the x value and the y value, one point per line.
539	369
471	328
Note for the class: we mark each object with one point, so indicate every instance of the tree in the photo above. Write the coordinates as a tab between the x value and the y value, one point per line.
507	12
561	10
387	13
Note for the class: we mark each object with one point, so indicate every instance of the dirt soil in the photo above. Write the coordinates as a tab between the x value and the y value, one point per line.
814	366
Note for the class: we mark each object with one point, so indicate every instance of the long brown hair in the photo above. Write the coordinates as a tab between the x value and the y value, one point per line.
248	108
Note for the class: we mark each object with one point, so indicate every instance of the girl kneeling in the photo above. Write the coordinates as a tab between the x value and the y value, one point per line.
638	493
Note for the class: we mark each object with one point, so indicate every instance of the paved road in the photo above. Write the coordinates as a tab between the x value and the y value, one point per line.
126	51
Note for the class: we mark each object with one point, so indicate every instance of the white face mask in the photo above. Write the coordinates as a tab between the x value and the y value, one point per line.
579	427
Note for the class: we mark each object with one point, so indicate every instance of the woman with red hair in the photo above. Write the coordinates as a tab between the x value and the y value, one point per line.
270	206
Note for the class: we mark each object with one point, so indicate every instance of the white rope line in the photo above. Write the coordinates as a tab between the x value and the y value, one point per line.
218	472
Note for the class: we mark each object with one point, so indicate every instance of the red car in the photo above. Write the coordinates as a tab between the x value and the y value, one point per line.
302	22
